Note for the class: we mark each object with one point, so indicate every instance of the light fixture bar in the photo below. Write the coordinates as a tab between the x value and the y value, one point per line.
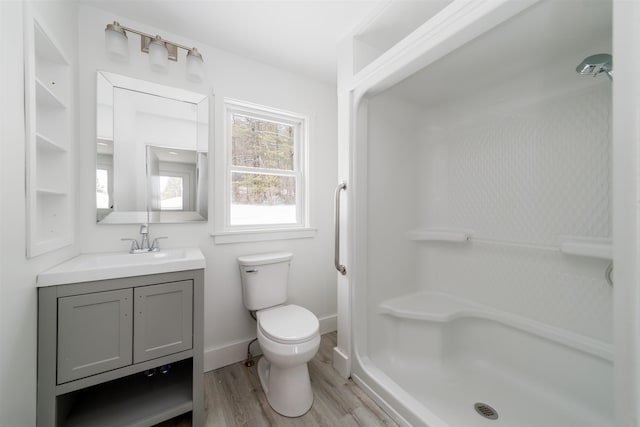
146	39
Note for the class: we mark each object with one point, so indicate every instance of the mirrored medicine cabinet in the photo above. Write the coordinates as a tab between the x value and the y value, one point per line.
151	152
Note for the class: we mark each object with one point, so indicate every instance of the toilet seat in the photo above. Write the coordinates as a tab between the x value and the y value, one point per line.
288	324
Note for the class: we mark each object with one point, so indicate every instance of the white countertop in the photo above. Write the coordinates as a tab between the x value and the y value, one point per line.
112	265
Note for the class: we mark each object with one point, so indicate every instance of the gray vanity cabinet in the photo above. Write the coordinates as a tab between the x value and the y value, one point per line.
121	352
94	333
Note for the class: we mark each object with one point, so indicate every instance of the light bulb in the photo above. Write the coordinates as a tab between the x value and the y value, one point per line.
116	42
195	65
158	55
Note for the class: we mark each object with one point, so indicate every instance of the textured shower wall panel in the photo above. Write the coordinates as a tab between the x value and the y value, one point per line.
532	176
529	178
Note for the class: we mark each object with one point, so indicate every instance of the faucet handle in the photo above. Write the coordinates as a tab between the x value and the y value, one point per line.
155	247
134	244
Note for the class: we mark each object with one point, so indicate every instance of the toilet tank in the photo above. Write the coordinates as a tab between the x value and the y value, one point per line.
264	279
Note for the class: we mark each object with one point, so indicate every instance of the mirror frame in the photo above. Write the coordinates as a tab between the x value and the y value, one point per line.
147	216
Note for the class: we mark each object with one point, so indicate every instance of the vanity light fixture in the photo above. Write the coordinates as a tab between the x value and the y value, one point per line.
159	50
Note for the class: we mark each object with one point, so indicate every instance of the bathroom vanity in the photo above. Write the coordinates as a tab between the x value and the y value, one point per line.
121	351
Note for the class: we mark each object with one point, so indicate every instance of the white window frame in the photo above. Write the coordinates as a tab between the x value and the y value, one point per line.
224	231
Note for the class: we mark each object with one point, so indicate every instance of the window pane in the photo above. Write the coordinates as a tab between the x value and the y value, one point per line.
262	199
171	193
260	143
102	189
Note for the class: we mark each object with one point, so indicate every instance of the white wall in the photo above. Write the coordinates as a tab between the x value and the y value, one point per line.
18	274
228	326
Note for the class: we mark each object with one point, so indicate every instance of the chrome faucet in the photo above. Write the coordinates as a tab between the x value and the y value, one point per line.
143	246
155	246
135	247
144	231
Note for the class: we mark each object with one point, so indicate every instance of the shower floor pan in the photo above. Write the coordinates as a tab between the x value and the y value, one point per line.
449	355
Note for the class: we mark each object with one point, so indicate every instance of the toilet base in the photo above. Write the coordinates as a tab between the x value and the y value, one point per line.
288	389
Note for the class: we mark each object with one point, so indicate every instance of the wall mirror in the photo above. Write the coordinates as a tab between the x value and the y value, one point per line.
151	162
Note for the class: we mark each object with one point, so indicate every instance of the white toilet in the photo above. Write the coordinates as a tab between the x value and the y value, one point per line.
288	334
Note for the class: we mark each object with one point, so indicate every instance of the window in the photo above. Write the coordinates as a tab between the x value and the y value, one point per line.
171	191
102	189
265	169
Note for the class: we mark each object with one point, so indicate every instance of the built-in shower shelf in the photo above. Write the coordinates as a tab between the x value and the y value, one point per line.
441	307
594	247
439	235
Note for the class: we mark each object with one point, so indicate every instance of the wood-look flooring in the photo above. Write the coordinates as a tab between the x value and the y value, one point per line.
234	397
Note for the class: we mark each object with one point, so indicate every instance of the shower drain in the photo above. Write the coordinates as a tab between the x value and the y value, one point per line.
486	411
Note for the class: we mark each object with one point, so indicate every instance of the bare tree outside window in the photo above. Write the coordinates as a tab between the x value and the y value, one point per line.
264	173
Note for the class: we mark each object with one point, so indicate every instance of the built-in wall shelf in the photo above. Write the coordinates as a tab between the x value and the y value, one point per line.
594	247
46	97
47	144
49	112
50	192
439	235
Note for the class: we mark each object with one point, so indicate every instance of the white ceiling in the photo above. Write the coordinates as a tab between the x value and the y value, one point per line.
297	35
540	47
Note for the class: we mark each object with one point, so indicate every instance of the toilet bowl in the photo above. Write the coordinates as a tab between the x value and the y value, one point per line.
288	334
289	338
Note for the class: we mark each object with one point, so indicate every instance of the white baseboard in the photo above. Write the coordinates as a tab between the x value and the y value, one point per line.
328	324
228	354
217	357
341	363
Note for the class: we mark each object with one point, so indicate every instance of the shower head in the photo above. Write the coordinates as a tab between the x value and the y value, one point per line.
596	64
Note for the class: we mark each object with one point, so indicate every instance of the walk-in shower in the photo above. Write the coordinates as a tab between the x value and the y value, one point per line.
483	225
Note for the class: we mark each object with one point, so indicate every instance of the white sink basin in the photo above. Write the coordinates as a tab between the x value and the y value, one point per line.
101	266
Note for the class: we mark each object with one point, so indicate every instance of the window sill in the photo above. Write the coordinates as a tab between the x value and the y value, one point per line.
222	238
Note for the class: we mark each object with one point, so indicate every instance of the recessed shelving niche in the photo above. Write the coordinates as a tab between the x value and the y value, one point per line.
48	99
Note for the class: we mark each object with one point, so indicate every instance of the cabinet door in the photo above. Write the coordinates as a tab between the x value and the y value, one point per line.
94	333
163	320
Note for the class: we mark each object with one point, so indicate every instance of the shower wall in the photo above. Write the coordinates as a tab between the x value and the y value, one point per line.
521	178
392	205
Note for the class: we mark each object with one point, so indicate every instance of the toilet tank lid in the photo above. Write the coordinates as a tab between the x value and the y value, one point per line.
261	259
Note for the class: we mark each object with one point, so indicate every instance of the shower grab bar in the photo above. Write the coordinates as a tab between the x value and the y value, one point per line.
336	220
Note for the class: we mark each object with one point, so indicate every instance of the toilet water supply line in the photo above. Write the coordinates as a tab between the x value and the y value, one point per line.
249	362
